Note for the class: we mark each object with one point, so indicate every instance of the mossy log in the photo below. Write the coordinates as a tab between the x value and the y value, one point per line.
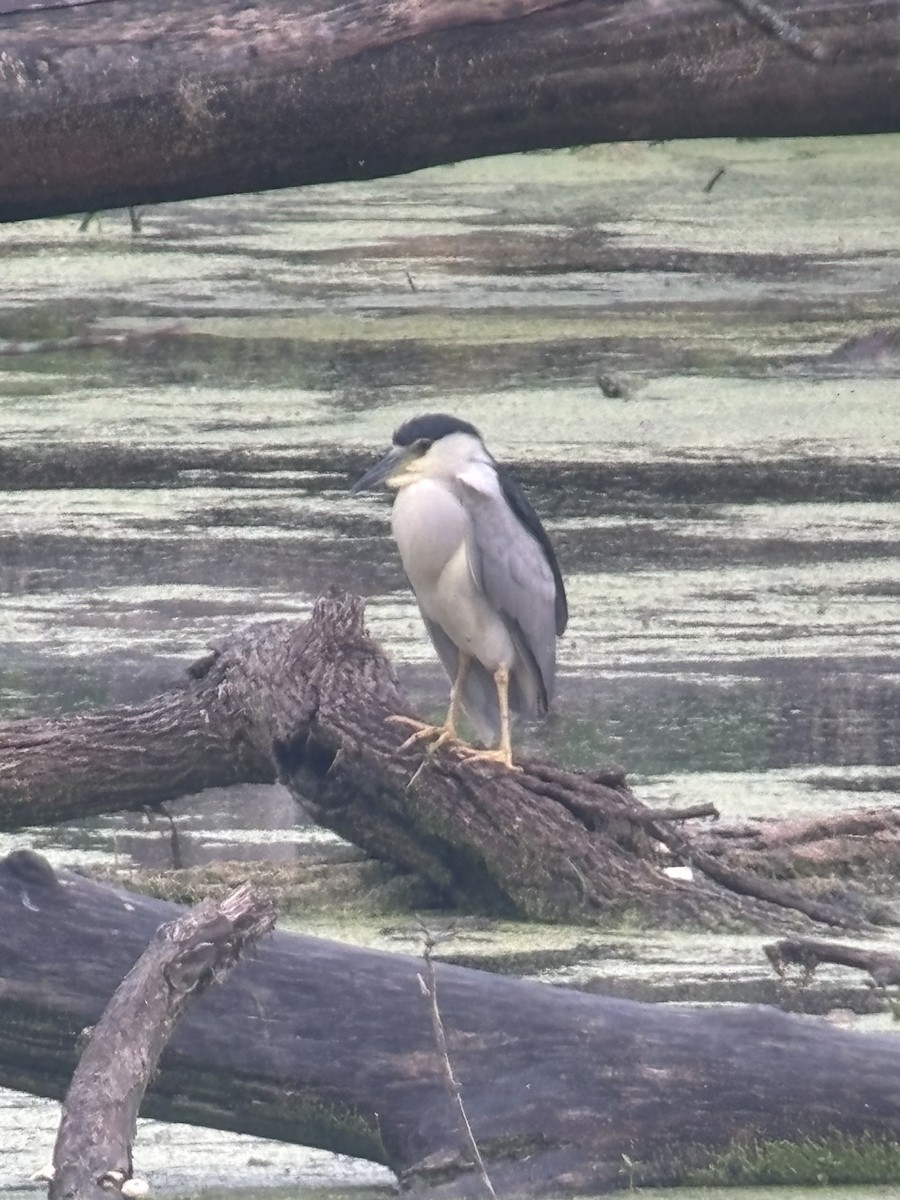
309	704
132	102
92	1158
324	1044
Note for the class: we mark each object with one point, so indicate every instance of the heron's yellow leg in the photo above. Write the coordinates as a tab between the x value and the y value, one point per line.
503	753
439	734
456	695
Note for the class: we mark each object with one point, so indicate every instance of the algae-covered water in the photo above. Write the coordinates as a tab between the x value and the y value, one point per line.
700	388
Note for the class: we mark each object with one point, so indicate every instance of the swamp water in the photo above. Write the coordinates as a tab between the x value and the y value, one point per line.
181	412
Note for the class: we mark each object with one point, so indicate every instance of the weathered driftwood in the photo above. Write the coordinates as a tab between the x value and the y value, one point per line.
807	953
309	704
324	1044
860	845
92	1157
136	101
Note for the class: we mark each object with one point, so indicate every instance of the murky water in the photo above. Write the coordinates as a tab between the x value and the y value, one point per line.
181	413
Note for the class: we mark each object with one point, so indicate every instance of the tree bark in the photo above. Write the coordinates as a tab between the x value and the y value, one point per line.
309	704
323	1044
92	1158
111	103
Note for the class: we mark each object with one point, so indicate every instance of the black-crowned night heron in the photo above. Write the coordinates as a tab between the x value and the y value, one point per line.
483	572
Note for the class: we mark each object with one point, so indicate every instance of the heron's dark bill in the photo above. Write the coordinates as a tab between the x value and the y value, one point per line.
382	471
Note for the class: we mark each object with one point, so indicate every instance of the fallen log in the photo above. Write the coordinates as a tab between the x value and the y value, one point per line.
92	1158
308	704
808	953
327	1045
115	103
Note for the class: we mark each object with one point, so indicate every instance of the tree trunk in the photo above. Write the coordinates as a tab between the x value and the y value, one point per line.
308	704
323	1044
125	103
93	1153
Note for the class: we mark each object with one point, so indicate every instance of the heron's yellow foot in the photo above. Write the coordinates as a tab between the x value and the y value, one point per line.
502	755
438	735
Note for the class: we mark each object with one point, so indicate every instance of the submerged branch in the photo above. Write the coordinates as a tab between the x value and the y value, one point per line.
808	953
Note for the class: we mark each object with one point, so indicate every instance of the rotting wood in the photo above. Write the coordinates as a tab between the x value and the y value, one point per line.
328	1045
92	1159
307	704
132	102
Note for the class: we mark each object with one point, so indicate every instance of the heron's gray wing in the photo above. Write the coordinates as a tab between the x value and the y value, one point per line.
480	693
521	506
509	564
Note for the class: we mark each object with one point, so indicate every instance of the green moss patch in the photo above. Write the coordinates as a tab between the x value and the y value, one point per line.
839	1160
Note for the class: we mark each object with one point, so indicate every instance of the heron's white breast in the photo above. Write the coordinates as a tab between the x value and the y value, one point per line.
430	525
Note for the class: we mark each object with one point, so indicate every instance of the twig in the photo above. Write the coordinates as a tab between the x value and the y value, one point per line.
134	214
705	809
174	838
429	991
789	35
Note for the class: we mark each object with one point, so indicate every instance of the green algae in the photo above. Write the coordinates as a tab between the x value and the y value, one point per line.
810	1162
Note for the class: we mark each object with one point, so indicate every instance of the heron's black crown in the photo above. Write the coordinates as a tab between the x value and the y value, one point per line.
431	428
